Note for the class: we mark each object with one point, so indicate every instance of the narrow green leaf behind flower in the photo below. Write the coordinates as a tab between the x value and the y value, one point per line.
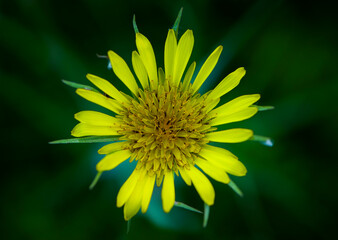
86	140
78	85
235	188
263	140
187	207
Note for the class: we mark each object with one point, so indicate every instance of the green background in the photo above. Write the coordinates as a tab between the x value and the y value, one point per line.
289	49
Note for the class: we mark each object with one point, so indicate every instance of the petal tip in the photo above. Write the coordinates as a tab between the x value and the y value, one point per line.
168	208
242	70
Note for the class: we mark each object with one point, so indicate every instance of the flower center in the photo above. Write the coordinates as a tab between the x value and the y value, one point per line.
165	129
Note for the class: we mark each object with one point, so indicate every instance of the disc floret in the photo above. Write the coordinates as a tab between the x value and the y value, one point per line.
165	129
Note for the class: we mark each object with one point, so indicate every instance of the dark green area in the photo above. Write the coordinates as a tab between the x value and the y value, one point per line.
289	49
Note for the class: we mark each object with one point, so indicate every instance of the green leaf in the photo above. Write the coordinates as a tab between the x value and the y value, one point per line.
134	25
264	108
177	22
87	140
102	56
206	215
105	57
128	225
96	179
187	207
78	85
263	140
235	188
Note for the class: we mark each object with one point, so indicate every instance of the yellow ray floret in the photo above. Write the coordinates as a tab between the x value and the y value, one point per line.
107	87
161	76
223	159
188	76
133	204
168	192
112	160
147	192
185	176
148	58
123	72
207	68
128	187
84	129
230	136
169	54
234	117
100	99
183	52
97	118
227	84
112	147
213	171
235	105
202	185
140	70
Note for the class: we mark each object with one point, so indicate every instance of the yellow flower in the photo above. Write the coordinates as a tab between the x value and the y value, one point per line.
165	124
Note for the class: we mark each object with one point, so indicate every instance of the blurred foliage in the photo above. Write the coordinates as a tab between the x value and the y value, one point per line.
289	49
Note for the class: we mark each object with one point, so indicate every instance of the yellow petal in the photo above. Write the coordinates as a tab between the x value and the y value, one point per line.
235	105
127	188
188	76
207	68
218	151
147	192
112	147
161	76
185	176
133	203
223	159
84	129
168	192
183	52
227	84
169	54
107	87
230	136
112	160
231	166
140	70
99	99
96	118
148	58
210	105
234	117
202	185
122	71
213	171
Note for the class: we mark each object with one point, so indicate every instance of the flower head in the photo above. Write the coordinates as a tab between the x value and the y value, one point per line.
165	125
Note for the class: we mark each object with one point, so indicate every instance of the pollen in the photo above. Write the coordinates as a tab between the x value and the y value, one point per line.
165	129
